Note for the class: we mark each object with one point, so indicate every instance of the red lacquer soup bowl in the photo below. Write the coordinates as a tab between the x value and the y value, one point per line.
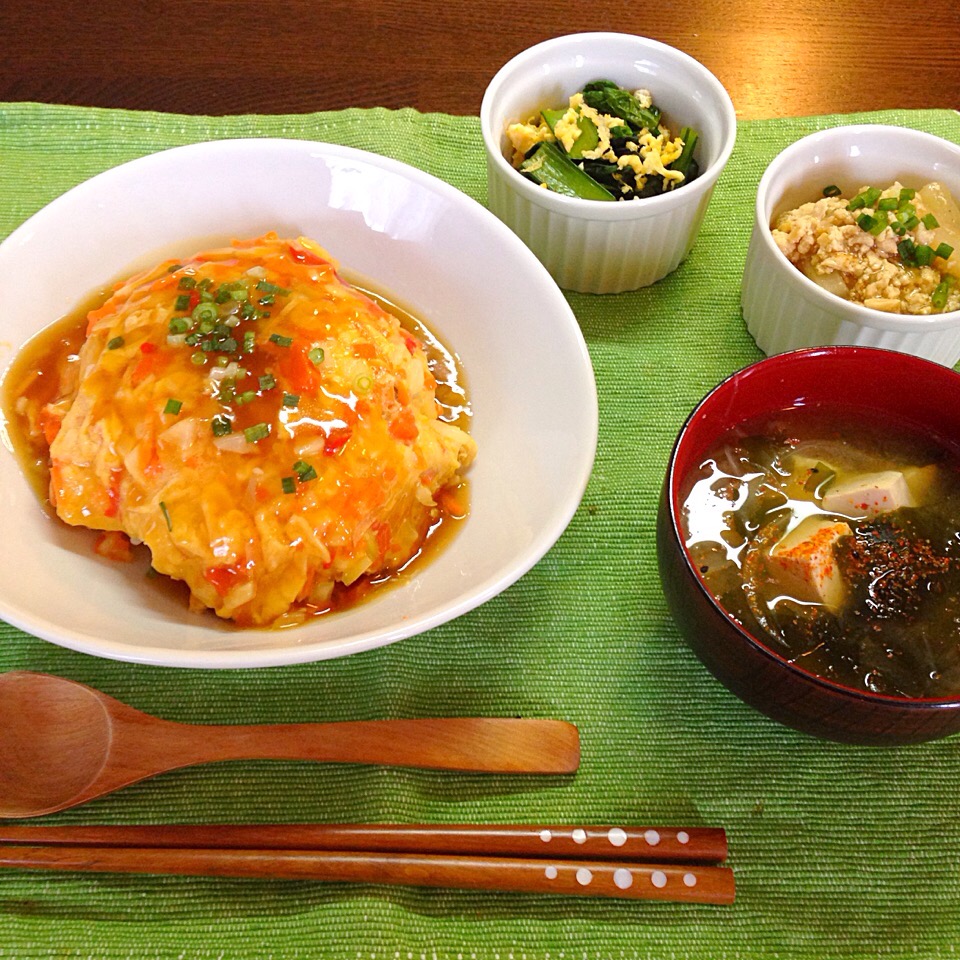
880	385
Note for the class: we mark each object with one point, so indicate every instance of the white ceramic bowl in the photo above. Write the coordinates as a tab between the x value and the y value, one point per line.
587	245
422	242
785	310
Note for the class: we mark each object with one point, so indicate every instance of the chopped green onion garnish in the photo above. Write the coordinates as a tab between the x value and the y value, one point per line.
173	406
221	425
257	432
942	291
178	325
906	195
924	255
887	203
280	340
166	515
857	203
291	400
187	283
183	302
174	267
866	222
304	471
930	221
831	191
248	339
879	223
944	250
267	300
198	359
205	284
248	396
205	312
871	195
268	381
223	295
114	343
289	485
316	356
268	287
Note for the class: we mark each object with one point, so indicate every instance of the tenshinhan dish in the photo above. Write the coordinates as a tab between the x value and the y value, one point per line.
270	432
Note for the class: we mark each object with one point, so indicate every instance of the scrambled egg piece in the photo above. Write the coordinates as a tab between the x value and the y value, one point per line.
524	136
267	430
824	240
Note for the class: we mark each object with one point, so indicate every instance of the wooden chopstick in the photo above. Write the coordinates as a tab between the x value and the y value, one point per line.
689	883
647	863
643	843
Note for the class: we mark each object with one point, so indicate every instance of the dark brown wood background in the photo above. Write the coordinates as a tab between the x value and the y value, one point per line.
776	57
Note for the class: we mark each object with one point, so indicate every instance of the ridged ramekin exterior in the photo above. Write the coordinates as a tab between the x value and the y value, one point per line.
782	316
597	256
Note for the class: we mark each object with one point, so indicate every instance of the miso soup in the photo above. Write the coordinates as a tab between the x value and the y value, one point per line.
836	542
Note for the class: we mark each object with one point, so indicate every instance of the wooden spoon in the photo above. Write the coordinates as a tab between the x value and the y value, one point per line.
63	743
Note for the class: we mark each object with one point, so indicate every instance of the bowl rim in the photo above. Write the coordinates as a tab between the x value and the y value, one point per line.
311	651
674	508
591	209
852	312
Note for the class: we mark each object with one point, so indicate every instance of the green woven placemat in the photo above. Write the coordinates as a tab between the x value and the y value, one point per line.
838	851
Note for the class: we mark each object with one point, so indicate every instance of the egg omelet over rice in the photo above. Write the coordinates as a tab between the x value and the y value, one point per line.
267	430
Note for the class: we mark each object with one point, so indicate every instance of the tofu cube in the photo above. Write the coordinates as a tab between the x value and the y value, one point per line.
805	563
869	494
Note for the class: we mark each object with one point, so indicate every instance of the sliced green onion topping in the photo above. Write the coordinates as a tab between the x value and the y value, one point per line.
289	485
258	431
831	191
316	356
221	425
178	325
280	340
198	359
268	381
114	343
304	471
182	302
187	283
291	400
942	291
174	267
887	203
268	287
173	406
944	250
205	312
930	221
248	396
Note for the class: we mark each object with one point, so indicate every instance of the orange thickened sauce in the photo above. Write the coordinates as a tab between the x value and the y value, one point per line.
281	441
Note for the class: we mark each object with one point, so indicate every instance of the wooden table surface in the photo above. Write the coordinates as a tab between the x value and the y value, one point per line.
794	58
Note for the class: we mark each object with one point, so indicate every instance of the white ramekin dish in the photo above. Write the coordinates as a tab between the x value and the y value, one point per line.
785	310
587	245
